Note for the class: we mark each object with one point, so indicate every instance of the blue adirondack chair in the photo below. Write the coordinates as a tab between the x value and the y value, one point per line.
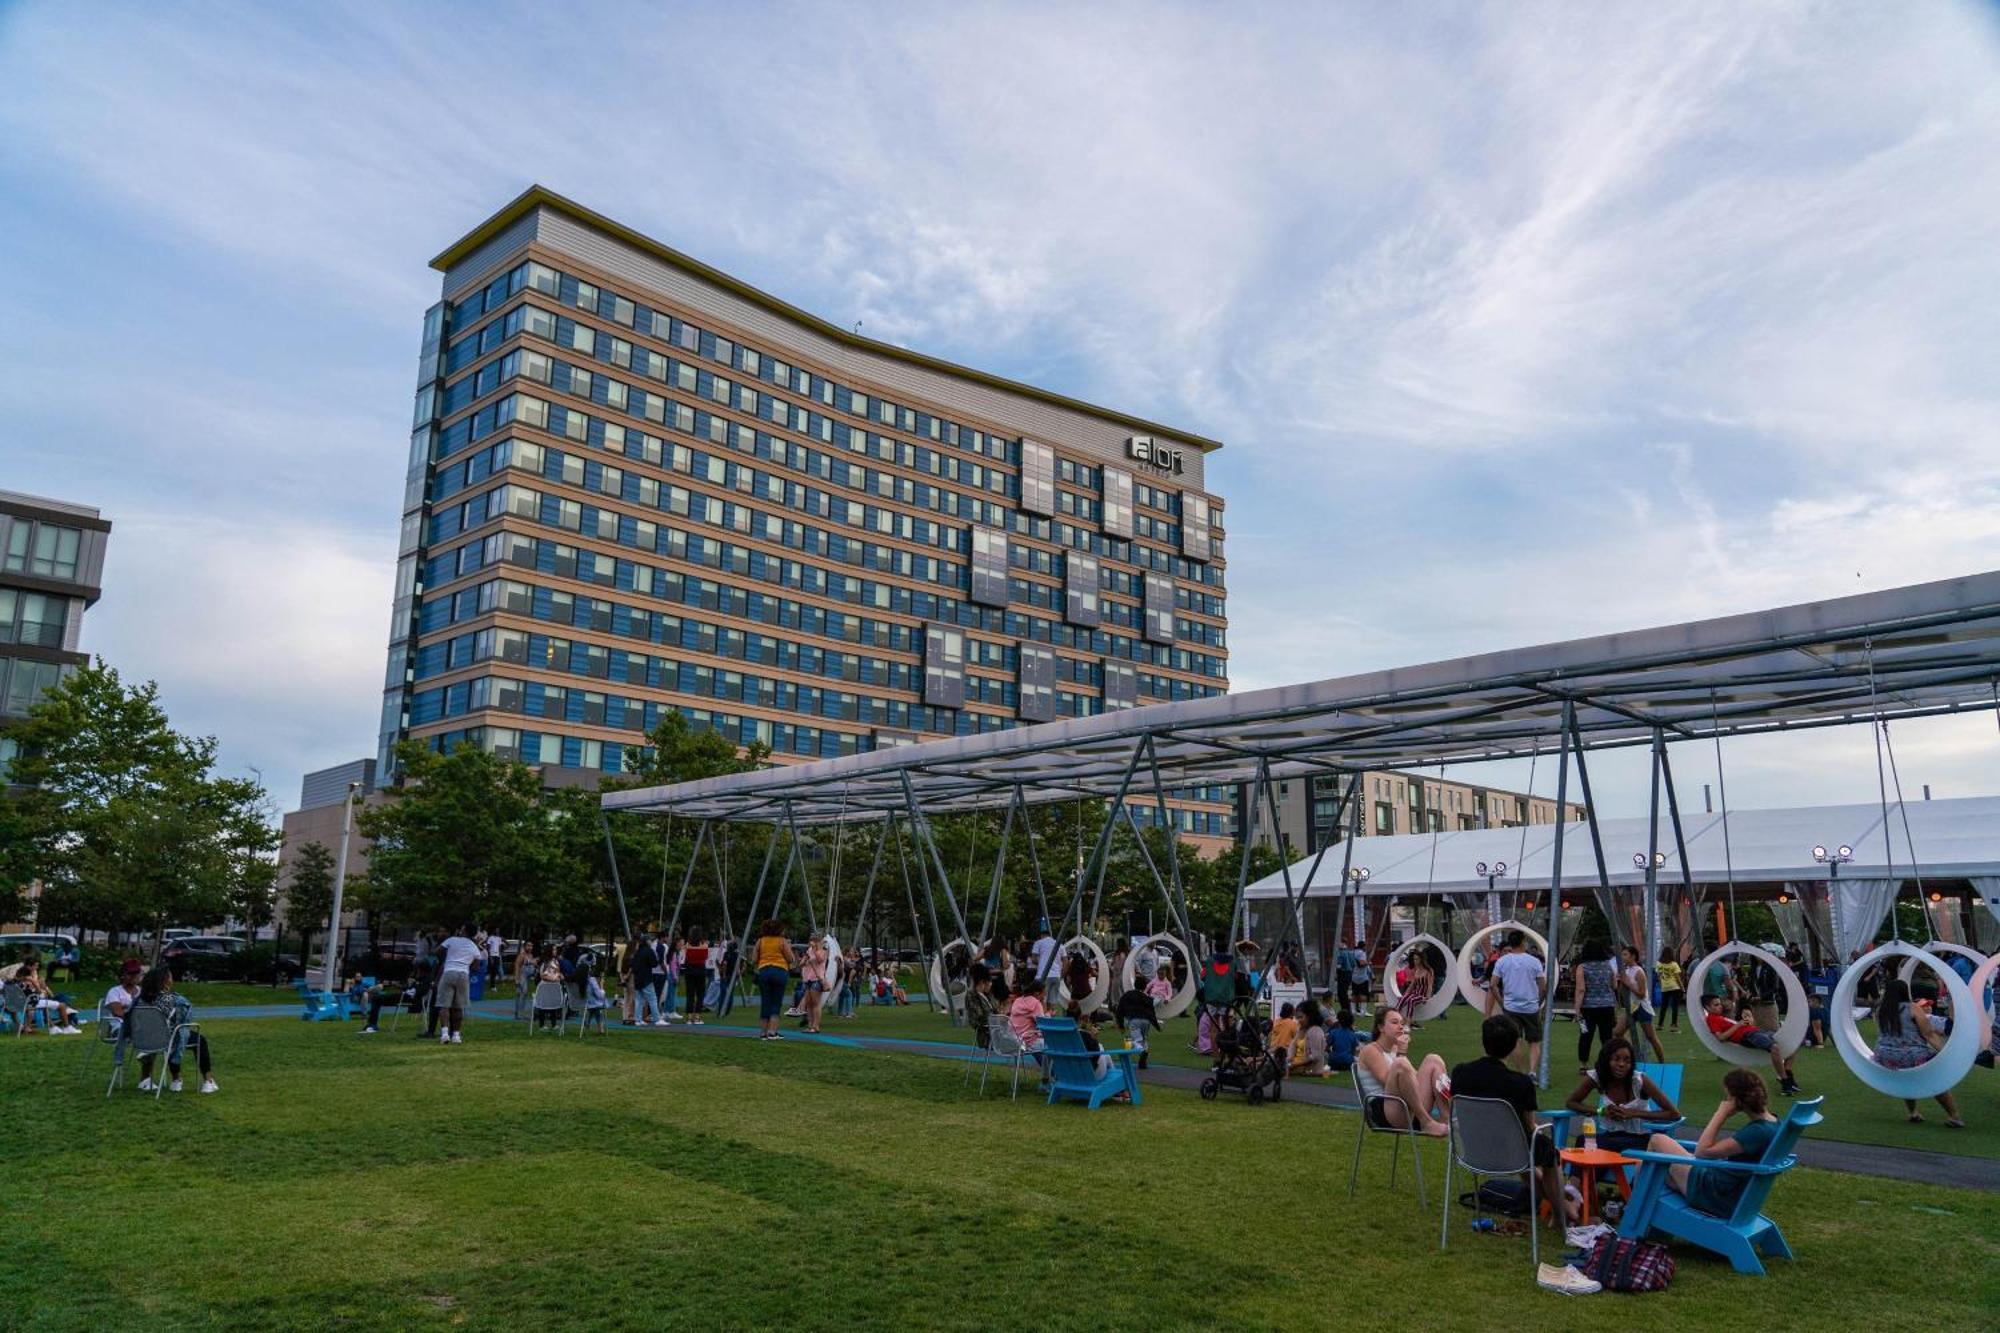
1666	1077
1072	1070
1656	1210
320	1006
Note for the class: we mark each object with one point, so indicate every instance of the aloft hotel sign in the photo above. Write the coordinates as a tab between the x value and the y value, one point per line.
1141	449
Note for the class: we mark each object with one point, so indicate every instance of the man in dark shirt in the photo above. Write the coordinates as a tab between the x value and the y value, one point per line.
1491	1076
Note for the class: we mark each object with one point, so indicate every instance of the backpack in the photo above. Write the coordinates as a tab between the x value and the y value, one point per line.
1502	1194
1620	1264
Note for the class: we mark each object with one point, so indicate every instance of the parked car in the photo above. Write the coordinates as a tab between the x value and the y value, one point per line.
57	950
194	957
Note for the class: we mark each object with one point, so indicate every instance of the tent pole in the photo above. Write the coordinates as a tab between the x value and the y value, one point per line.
728	996
1554	959
694	859
617	885
1650	948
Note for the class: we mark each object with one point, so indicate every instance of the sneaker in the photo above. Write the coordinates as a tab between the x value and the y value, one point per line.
1565	1280
208	1085
662	1023
458	1039
777	1036
365	1031
174	1086
145	1085
444	1039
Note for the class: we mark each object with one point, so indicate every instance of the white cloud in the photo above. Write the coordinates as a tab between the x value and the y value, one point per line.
1520	323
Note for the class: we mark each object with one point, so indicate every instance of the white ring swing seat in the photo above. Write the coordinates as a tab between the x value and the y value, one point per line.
1982	979
1100	969
1942	1072
1941	948
1183	996
1791	1033
1479	937
1446	990
835	967
939	991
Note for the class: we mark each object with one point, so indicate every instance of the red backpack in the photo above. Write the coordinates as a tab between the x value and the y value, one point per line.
1619	1264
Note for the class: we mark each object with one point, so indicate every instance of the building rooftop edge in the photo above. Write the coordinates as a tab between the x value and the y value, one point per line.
48	502
537	196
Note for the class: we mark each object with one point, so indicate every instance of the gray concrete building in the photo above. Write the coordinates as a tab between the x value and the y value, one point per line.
51	572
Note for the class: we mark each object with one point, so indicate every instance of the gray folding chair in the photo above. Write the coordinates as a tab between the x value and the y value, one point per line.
552	995
1487	1139
403	1007
148	1031
1374	1121
110	1032
14	1007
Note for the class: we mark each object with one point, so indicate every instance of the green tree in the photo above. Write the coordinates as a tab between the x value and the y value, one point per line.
309	894
464	837
126	822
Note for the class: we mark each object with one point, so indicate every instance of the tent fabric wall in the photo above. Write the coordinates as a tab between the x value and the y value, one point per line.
1860	908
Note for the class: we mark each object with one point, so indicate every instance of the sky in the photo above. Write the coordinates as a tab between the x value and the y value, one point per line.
1519	322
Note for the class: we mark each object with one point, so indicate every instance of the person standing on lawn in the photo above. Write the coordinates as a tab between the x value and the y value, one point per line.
457	957
1519	983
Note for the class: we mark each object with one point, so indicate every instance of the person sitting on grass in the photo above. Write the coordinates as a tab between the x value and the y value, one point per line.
41	998
980	1006
1022	1012
1716	1192
1905	1038
1622	1099
1343	1043
1743	1032
157	990
1413	1090
1309	1051
1284	1034
1138	1011
1492	1076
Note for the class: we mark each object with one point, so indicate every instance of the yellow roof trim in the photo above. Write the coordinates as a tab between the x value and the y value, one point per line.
535	196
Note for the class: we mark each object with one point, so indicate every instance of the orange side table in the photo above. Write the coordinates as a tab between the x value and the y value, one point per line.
1587	1162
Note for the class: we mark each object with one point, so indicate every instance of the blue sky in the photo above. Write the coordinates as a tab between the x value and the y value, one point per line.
1520	322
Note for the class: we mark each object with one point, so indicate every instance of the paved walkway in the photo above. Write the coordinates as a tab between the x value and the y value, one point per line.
1863	1159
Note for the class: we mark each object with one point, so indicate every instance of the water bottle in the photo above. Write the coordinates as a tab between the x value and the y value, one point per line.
1590	1133
1482	1224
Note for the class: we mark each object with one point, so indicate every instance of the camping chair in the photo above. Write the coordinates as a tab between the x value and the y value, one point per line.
1487	1139
1657	1210
14	1009
1002	1046
550	995
1072	1067
1373	1098
148	1031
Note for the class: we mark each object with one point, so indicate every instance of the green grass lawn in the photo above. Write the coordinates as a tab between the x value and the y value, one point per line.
654	1180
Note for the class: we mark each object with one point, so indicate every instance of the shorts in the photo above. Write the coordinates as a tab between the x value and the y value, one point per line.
454	991
1640	1017
1529	1024
814	987
1545	1150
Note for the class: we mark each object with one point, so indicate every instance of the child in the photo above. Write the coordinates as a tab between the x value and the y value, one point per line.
1136	1012
1086	1028
1160	989
1744	1032
1342	1042
1022	1013
979	1006
1284	1033
594	1002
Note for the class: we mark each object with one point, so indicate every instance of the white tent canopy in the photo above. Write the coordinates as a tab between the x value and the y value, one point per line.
1954	839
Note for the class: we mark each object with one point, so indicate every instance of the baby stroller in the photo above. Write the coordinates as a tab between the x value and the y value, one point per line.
1238	1037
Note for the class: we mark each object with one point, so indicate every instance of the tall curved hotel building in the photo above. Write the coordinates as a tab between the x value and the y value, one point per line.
637	484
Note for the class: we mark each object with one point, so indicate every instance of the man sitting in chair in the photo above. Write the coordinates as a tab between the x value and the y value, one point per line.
1491	1076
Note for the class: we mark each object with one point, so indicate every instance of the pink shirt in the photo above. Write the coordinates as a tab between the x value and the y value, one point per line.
1159	988
1021	1016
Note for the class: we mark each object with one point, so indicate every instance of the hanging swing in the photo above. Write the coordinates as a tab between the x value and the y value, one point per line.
829	940
1478	937
948	980
1444	989
1792	1031
1942	948
1100	973
1954	1060
1943	1070
1980	988
1183	996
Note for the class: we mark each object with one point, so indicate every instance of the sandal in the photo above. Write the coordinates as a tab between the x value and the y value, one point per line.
1954	1124
1916	1119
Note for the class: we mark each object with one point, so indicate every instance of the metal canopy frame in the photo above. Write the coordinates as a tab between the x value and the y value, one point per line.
1905	652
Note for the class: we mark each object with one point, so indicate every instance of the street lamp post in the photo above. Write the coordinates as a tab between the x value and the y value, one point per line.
1492	875
1833	861
339	886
